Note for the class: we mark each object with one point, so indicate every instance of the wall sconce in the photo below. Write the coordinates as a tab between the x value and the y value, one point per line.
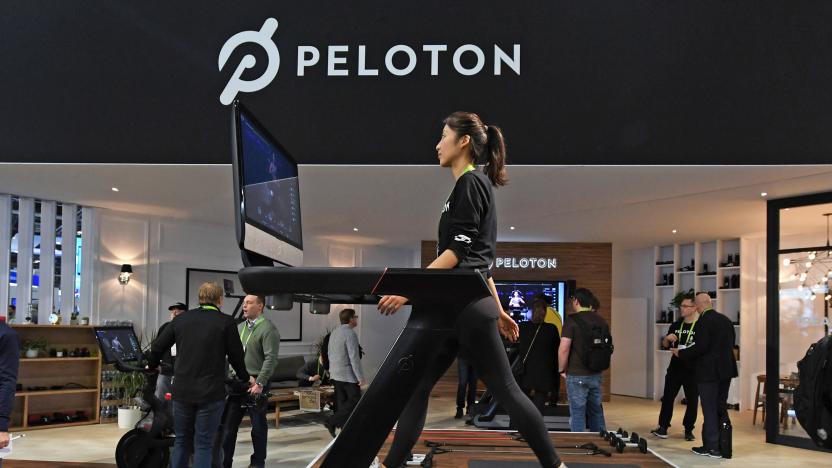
126	272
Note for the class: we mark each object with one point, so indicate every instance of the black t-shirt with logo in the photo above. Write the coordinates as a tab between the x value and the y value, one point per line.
468	225
687	336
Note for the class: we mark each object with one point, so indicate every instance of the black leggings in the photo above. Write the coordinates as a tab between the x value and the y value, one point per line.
477	340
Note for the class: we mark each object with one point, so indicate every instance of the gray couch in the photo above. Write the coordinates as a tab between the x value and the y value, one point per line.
285	375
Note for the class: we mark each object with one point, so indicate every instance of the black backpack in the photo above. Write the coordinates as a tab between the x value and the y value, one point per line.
813	395
599	348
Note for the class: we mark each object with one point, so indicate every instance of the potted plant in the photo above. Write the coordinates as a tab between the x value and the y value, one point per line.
32	347
128	412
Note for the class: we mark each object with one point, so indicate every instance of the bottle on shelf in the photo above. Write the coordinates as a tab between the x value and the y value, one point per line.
705	269
735	281
670	316
726	282
670	279
737	259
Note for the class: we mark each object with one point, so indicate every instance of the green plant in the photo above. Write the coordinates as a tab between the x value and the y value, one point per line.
319	343
35	343
676	302
131	382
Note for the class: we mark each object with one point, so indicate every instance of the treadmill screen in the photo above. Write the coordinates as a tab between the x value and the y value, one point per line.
270	184
118	342
517	296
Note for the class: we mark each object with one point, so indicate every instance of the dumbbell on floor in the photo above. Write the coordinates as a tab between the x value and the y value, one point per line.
639	443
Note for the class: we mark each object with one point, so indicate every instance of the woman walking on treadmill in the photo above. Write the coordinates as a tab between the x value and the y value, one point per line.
467	239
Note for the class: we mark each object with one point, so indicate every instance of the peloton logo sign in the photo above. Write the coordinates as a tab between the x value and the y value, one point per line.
539	263
399	60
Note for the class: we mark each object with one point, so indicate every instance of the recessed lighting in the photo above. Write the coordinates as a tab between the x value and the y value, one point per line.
511	227
114	189
674	231
355	229
763	194
787	261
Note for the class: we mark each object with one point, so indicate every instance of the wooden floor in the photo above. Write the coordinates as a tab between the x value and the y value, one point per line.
484	442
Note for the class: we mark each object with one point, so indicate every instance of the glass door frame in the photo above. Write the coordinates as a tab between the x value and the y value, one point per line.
773	253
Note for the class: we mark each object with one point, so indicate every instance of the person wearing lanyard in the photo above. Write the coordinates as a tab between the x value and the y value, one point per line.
583	385
680	374
261	343
204	338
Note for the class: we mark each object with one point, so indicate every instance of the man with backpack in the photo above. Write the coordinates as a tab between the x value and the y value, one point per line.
584	353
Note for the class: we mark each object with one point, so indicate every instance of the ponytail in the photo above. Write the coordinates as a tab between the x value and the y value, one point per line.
495	153
488	147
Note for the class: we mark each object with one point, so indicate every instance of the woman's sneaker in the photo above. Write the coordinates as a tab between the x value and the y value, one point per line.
660	432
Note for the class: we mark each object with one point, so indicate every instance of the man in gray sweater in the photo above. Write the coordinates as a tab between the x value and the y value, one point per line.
345	369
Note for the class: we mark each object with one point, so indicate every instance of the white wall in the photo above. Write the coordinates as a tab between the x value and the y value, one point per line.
160	251
631	285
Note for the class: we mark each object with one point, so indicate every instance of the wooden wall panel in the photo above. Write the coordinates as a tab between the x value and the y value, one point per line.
589	264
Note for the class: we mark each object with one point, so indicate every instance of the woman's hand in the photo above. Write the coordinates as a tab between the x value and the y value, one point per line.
508	327
389	305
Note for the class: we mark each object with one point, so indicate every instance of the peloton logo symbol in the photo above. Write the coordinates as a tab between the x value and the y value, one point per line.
236	84
399	60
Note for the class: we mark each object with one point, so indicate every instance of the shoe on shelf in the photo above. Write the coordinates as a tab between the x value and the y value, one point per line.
660	432
458	414
713	453
689	436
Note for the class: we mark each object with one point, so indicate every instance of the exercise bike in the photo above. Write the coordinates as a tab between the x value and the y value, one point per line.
148	444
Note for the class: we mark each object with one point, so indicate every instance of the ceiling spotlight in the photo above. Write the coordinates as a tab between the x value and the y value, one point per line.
800	288
355	229
812	256
828	297
825	279
764	194
794	276
787	261
829	273
808	264
813	297
511	227
114	189
803	277
674	231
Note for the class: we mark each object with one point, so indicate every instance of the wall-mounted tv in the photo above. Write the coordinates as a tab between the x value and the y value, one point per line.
517	296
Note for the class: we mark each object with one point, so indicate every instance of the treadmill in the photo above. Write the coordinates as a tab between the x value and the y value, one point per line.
268	228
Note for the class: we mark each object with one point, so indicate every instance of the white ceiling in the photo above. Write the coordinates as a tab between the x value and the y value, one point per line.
400	205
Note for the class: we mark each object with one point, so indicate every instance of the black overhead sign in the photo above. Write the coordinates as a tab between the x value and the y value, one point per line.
368	82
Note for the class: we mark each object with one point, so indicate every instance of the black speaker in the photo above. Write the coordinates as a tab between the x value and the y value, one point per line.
279	302
319	307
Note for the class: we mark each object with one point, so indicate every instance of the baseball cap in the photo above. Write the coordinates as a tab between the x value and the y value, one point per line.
179	306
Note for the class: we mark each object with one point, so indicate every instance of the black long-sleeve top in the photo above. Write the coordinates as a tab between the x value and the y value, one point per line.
9	362
468	225
204	337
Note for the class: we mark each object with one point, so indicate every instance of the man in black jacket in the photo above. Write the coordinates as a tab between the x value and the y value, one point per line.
715	366
680	374
9	361
165	379
203	338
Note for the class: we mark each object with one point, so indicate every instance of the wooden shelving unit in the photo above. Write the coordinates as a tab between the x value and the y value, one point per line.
696	255
48	372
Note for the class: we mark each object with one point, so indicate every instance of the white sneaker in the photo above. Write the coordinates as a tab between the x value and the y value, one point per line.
375	464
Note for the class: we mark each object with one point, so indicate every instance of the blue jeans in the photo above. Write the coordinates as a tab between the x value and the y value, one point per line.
584	392
195	426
